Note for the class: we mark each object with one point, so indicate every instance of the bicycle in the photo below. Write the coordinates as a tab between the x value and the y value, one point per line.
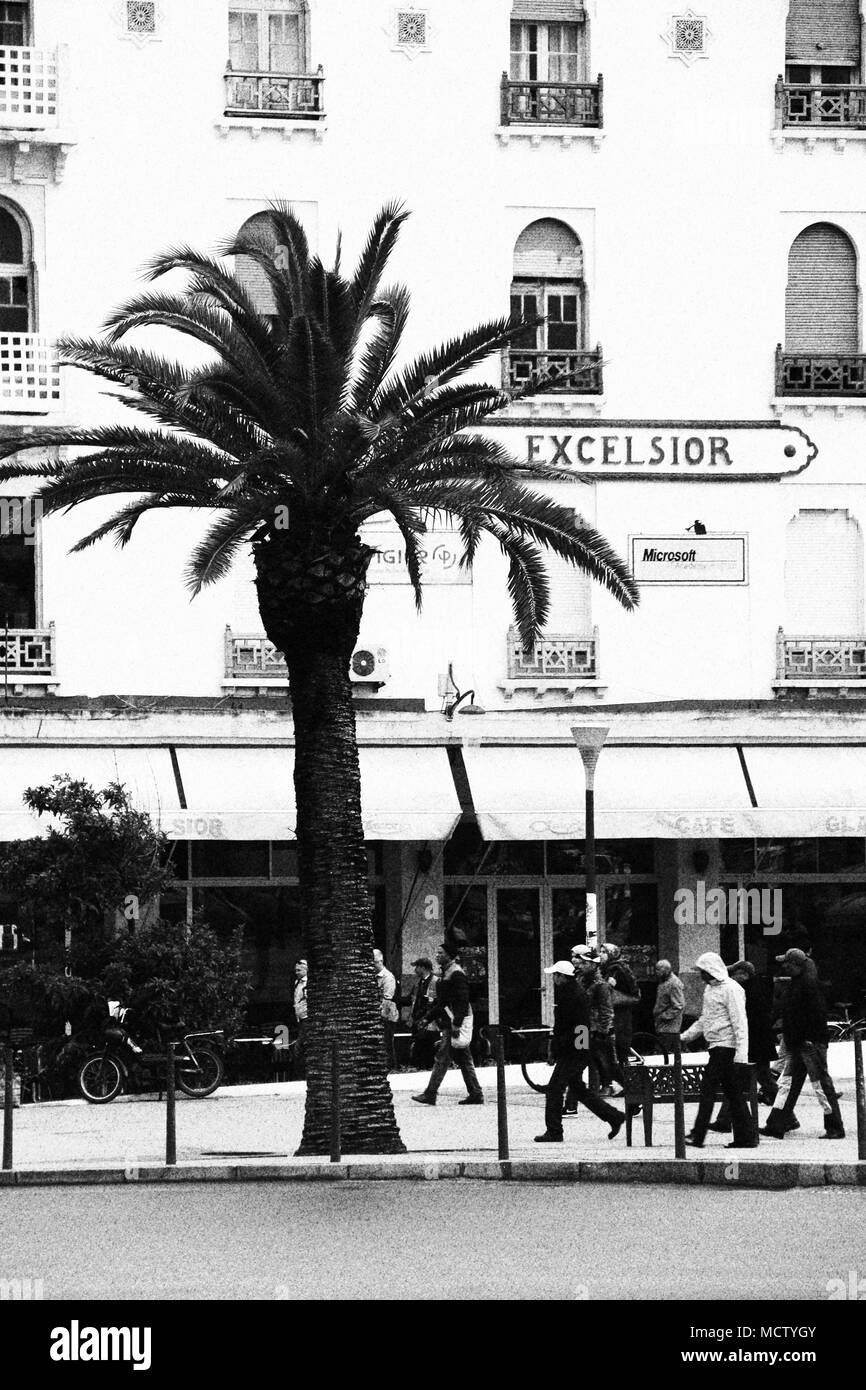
107	1072
843	1029
531	1037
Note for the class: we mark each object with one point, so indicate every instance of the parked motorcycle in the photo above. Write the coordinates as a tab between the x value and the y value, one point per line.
121	1063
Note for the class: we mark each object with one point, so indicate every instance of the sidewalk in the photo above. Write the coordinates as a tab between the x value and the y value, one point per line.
247	1133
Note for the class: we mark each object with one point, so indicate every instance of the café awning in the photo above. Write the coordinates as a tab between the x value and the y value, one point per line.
247	793
146	773
673	792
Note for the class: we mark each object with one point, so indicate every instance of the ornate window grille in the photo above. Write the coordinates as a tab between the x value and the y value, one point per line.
141	17
824	104
579	373
252	656
551	103
554	657
820	658
27	651
272	94
411	28
820	373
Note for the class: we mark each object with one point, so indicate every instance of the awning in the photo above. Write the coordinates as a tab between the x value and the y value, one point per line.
248	794
678	792
537	793
146	773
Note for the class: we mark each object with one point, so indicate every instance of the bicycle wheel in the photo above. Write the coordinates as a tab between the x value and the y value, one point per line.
541	1070
100	1078
200	1075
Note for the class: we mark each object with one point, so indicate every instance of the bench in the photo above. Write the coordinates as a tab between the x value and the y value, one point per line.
653	1085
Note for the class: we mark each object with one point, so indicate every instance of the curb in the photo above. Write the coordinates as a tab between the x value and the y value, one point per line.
771	1176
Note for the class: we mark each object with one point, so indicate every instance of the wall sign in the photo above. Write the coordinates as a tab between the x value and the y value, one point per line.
685	559
441	552
669	449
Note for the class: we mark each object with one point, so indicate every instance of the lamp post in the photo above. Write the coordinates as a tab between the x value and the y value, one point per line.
590	741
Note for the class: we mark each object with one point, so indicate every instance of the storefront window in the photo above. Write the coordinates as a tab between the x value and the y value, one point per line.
230	858
466	854
271	922
786	856
284	859
738	856
841	856
466	910
611	857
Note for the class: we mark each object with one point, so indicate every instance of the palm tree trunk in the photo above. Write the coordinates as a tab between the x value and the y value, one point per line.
311	608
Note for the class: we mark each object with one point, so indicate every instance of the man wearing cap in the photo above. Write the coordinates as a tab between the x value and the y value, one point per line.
570	1051
452	1009
425	1030
804	1034
724	1028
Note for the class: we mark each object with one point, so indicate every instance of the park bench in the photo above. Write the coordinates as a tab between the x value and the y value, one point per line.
652	1085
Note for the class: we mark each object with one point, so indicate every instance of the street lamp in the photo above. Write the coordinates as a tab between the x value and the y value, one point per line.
590	740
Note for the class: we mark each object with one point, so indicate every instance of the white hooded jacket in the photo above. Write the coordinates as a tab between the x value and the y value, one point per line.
723	1012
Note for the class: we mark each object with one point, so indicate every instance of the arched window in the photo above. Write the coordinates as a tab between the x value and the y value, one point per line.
821	300
548	283
16	273
823	574
249	272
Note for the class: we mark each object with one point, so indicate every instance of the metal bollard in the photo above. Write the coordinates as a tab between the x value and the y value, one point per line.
679	1103
860	1091
170	1116
501	1099
8	1104
335	1102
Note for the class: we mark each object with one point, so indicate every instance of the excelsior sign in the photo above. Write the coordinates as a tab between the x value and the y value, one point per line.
688	559
659	449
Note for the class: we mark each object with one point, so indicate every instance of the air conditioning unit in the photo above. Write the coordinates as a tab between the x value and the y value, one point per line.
369	666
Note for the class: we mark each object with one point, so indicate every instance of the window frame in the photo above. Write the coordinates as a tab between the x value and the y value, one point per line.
263	10
23	270
27	11
542	55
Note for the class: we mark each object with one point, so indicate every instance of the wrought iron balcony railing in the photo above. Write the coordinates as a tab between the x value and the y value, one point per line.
26	652
563	658
828	104
275	94
28	88
30	381
577	372
820	658
250	656
820	373
551	103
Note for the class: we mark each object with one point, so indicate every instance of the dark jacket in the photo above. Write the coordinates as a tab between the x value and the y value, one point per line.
804	1013
570	1011
619	977
452	991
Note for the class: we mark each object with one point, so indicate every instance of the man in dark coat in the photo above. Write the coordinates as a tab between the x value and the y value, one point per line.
452	1008
762	1044
570	1052
804	1035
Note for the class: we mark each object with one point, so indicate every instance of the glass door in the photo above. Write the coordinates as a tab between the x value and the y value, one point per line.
519	957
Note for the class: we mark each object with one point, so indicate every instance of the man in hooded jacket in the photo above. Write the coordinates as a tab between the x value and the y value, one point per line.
724	1028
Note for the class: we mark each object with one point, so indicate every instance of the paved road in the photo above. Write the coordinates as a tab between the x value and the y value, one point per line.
358	1240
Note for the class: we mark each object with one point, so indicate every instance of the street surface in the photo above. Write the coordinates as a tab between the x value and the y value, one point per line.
431	1240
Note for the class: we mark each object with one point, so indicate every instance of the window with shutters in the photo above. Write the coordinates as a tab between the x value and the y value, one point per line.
16	273
548	290
268	69
823	636
823	65
821	355
547	82
252	275
14	25
17	566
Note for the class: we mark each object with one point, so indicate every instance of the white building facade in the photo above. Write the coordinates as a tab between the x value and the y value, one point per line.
678	194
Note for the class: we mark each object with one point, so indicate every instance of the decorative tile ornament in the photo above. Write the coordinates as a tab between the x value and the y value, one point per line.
410	31
139	20
687	37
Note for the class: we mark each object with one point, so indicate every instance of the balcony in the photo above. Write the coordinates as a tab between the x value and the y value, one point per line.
33	147
27	658
30	381
559	664
823	663
274	95
578	373
825	105
551	103
820	373
251	659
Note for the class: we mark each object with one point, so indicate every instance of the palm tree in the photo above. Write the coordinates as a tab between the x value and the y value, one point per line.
299	429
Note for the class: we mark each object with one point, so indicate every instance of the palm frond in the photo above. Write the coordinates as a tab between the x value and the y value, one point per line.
374	258
213	556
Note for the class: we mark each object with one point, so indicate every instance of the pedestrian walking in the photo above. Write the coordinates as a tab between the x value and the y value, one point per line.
454	1013
670	1002
762	1044
601	1022
570	1055
804	1036
299	1002
425	1029
724	1028
625	994
388	1004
